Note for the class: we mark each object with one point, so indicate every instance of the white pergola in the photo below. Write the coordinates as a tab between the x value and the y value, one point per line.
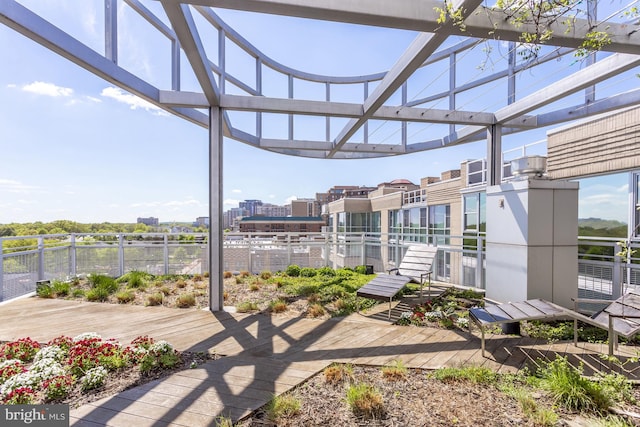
217	100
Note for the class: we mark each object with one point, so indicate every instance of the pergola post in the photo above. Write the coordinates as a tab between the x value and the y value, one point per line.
494	154
216	236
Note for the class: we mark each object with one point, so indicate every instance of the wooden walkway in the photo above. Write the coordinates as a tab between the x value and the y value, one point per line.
264	355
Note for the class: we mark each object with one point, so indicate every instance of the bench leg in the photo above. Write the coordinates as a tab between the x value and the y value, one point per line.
389	308
482	340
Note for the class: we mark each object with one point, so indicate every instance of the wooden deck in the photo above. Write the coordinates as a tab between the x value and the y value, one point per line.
264	355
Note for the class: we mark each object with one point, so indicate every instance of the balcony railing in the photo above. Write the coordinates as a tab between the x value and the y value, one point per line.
602	273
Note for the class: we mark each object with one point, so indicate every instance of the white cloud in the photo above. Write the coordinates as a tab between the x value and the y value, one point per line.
271	196
236	191
48	89
179	203
12	85
290	198
134	102
14	186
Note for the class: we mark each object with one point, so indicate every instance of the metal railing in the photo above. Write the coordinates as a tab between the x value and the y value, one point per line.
602	273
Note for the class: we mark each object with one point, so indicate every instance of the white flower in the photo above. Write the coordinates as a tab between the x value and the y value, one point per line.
86	336
94	377
462	322
51	352
161	347
9	362
406	315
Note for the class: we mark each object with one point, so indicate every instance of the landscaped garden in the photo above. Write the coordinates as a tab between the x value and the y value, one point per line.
552	393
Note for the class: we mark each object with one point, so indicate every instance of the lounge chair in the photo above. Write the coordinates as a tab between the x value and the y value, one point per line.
416	266
620	317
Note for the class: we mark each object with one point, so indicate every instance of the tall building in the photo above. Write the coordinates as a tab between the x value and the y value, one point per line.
231	217
202	221
268	209
251	206
305	207
150	221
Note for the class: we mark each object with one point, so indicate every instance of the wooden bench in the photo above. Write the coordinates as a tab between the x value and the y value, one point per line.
416	266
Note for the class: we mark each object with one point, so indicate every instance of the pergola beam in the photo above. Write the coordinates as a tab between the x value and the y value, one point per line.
182	22
32	26
424	45
422	16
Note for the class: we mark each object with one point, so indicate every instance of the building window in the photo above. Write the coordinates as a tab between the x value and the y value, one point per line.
439	224
475	213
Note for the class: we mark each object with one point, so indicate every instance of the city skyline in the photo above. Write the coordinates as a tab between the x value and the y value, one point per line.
75	147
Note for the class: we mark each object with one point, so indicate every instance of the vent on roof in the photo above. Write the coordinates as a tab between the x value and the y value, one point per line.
529	166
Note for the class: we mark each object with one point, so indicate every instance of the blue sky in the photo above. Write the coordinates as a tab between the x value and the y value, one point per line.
76	147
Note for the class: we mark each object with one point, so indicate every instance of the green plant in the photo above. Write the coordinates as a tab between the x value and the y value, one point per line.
570	389
166	290
308	272
316	310
78	293
246	307
282	406
104	282
254	287
222	421
197	278
135	279
181	283
60	288
185	300
326	271
125	296
395	371
45	291
278	306
475	374
97	294
336	373
155	299
293	271
265	275
365	400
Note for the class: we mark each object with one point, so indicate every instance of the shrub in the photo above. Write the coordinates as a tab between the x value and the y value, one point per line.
316	310
570	389
293	271
336	373
278	306
197	278
244	274
105	282
254	287
78	293
155	299
361	269
239	280
308	272
61	289
227	275
165	290
265	275
364	400
282	406
185	301
326	271
181	283
97	294
246	307
135	279
125	296
206	274
395	371
45	291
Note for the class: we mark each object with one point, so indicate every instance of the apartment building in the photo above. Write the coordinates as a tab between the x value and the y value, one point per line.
291	224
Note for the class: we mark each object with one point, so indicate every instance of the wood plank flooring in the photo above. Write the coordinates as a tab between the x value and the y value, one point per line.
265	355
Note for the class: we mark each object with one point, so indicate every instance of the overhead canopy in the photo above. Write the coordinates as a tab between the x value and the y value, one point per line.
422	110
